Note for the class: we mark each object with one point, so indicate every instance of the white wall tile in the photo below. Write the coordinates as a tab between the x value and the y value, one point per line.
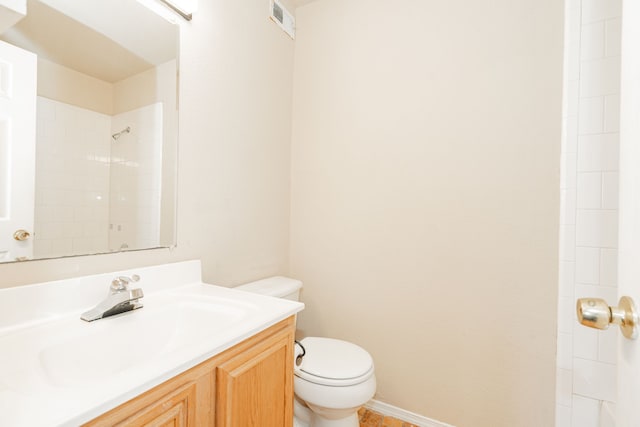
600	77
573	97
585	342
609	267
589	190
607	293
608	414
597	228
613	35
135	179
608	344
567	278
568	171
566	314
42	246
585	412
591	116
568	206
612	113
563	416
610	190
567	243
72	230
592	41
61	246
564	387
594	379
587	265
51	230
65	172
597	10
573	16
62	213
570	144
598	153
592	142
565	351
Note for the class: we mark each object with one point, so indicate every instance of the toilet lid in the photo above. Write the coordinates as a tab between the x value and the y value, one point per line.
334	359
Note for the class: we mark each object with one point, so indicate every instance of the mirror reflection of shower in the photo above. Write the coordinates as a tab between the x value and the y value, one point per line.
117	135
99	189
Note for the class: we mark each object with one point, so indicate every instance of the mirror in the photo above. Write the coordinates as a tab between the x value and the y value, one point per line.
106	128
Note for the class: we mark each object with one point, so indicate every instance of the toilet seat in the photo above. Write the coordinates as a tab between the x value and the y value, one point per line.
333	362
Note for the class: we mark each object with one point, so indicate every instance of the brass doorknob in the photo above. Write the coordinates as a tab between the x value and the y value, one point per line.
595	313
21	235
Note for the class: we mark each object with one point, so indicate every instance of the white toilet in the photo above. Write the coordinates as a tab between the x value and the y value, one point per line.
333	378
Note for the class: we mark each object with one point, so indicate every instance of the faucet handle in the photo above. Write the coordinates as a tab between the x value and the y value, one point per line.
120	283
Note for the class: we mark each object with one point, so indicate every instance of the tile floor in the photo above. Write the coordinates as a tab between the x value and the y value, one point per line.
369	418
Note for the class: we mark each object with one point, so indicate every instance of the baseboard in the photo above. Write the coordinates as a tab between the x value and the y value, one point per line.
401	414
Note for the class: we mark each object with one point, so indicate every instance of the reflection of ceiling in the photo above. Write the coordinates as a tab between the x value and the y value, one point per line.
61	39
302	2
127	22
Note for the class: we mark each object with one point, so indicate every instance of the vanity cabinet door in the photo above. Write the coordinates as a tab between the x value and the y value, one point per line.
248	385
255	388
177	409
184	401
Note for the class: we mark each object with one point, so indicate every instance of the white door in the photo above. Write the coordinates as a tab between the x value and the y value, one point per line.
628	405
17	151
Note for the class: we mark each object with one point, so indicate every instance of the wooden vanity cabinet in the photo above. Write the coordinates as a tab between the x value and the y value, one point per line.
248	385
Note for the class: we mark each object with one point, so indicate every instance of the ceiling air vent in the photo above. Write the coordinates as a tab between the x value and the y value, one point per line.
283	18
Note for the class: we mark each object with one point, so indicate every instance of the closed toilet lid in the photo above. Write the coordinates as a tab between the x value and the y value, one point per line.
334	359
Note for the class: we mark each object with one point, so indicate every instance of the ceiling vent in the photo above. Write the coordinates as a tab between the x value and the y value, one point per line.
281	16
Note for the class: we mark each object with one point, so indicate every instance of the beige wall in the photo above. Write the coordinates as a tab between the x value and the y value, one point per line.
137	91
157	84
426	141
424	198
71	87
233	183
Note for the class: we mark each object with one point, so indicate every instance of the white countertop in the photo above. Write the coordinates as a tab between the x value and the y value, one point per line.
57	370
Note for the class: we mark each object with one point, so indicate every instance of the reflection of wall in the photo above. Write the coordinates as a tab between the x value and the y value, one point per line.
154	85
72	180
136	170
157	85
71	87
87	183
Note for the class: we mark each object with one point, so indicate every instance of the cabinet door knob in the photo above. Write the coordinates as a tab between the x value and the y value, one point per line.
596	313
21	235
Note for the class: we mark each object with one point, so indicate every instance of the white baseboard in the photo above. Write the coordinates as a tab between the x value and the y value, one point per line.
401	414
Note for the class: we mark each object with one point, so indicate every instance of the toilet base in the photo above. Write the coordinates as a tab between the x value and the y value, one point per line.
349	421
325	417
297	422
321	417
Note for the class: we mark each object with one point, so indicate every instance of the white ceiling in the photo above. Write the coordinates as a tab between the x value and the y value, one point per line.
89	36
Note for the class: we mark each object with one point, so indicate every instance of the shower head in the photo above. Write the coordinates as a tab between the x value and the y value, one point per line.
117	135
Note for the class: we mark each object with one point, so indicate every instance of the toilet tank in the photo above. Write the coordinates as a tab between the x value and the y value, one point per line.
277	286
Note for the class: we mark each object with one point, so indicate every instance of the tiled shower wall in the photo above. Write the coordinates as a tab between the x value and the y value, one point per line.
72	180
586	364
136	179
93	193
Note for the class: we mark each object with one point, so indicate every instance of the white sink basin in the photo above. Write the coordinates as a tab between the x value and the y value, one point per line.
112	345
71	353
58	370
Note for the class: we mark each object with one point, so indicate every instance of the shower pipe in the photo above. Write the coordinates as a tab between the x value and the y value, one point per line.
117	135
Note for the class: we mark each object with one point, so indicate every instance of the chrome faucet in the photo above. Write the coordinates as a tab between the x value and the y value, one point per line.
120	299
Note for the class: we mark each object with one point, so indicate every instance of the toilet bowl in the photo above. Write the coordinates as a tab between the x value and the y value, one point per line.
332	378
